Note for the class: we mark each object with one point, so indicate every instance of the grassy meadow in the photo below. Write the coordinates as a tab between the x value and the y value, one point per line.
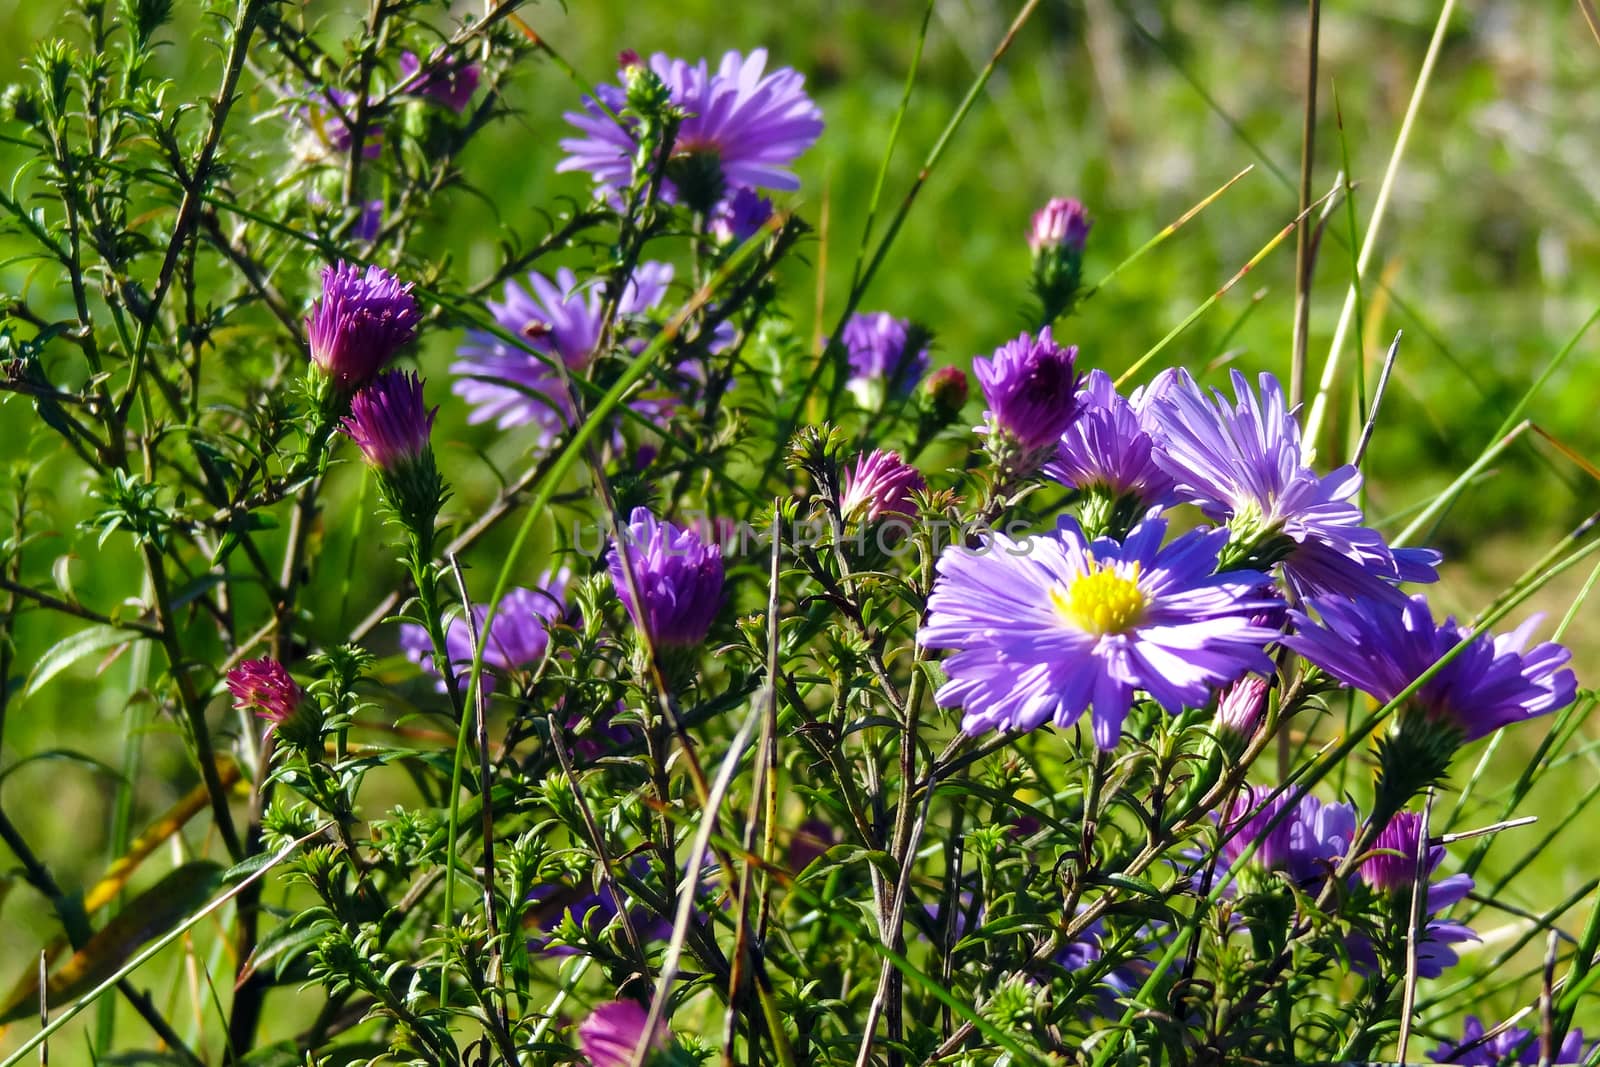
1487	264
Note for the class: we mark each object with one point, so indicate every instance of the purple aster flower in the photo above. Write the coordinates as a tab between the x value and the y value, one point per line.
450	81
1109	447
560	319
1307	843
679	579
881	484
264	687
1043	629
1062	223
884	356
612	1031
1392	871
1124	979
389	421
518	635
1381	648
370	224
325	113
740	216
1435	948
1511	1045
603	736
810	842
1031	386
1241	463
1393	866
361	320
586	907
749	123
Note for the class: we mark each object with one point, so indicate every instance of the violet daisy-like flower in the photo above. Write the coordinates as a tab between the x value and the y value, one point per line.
740	216
679	579
1042	630
1031	386
810	842
263	686
881	484
517	639
612	1031
325	114
1109	447
389	421
1381	648
887	356
1306	843
1241	462
450	82
1393	873
560	318
744	123
362	319
587	908
1511	1045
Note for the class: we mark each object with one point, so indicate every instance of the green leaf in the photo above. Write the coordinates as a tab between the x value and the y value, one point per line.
63	755
69	651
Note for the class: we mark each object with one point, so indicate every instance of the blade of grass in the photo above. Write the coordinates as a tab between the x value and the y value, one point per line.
1205	306
889	146
1380	207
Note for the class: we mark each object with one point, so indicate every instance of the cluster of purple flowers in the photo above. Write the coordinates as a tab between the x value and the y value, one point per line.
1042	629
1096	618
516	640
1508	1045
1305	840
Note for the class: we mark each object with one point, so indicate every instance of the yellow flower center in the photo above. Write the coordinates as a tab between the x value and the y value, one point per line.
1101	601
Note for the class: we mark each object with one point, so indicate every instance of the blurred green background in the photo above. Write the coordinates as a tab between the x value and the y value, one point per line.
1490	257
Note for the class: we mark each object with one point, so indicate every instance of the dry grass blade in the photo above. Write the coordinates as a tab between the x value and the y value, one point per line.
1330	369
691	882
1377	401
1414	928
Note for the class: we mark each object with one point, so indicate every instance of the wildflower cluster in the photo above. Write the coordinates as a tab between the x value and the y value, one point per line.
1066	718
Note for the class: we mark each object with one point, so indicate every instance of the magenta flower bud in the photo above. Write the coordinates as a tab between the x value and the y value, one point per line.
1061	224
388	420
881	484
944	394
362	318
1241	705
1031	386
264	687
1395	867
679	578
448	81
612	1031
